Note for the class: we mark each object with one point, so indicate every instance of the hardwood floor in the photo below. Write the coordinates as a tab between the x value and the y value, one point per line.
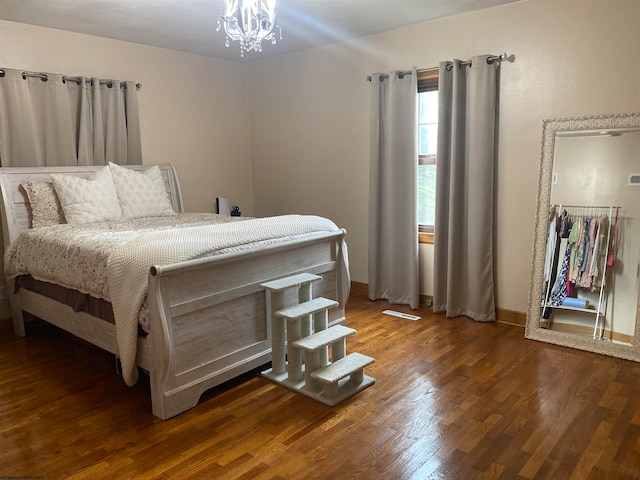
454	399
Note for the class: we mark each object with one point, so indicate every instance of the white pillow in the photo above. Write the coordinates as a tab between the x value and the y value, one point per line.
88	200
141	194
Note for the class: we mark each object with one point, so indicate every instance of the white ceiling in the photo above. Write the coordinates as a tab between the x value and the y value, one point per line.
189	25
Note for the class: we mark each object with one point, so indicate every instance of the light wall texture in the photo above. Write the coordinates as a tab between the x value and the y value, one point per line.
193	109
309	113
291	133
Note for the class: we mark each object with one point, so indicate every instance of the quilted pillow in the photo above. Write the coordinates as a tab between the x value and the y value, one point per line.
141	194
44	203
88	200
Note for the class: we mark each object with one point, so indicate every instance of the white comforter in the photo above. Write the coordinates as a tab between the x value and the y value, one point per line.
111	261
75	256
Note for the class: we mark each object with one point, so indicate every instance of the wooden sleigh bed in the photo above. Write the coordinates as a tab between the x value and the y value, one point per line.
207	316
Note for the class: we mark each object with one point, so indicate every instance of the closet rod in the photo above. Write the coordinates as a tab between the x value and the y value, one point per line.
44	77
588	206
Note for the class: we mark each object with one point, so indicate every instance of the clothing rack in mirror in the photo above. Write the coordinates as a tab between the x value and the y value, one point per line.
579	212
623	338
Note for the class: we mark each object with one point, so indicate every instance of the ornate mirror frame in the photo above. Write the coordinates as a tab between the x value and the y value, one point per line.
533	330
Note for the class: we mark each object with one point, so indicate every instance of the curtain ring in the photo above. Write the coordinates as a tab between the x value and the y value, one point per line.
75	80
2	73
42	76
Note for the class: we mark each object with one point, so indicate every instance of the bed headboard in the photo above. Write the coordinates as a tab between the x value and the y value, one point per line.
16	215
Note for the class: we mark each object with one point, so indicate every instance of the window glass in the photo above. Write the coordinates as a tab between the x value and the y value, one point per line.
427	148
426	195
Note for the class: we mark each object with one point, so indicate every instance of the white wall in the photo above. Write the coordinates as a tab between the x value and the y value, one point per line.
193	109
309	112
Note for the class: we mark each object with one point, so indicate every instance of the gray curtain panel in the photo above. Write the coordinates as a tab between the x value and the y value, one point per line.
463	250
67	122
393	228
116	124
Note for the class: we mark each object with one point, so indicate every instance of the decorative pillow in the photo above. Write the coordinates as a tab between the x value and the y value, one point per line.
44	203
88	200
141	194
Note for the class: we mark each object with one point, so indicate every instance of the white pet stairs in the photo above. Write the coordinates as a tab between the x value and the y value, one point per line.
300	340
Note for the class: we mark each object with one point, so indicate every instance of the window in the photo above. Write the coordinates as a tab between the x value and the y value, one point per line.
427	147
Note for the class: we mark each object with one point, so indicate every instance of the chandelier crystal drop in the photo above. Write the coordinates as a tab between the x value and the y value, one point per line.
249	22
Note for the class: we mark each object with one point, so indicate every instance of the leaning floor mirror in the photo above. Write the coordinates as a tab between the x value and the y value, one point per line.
585	269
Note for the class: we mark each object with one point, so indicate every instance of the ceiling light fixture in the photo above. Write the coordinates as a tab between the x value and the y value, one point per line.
249	22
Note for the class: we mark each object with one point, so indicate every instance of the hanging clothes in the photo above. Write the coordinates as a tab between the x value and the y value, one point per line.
585	278
551	244
573	240
578	247
560	287
583	236
600	254
560	291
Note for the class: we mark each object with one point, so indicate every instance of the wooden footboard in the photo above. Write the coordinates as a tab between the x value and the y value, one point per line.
208	316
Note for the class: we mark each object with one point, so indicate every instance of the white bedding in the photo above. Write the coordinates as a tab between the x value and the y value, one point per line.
112	260
75	256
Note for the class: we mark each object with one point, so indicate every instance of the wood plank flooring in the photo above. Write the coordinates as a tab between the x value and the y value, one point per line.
454	399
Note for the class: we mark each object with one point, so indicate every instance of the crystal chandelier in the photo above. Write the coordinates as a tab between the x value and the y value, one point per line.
249	22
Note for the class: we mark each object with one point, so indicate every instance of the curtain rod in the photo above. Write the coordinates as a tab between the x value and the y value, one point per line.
44	77
490	59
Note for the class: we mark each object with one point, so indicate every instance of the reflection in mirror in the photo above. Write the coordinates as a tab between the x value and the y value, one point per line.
584	286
